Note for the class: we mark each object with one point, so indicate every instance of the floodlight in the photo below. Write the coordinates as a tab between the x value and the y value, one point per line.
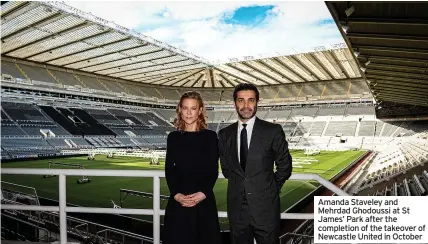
350	11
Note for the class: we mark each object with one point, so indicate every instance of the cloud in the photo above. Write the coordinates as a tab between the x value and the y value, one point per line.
200	27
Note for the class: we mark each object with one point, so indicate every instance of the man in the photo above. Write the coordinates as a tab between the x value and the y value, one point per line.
248	150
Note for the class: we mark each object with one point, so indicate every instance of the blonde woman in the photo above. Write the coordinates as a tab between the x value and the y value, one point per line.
191	169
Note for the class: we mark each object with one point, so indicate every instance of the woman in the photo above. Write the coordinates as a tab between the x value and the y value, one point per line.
191	170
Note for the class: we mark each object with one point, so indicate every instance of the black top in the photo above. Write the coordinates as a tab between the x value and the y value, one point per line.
191	166
191	163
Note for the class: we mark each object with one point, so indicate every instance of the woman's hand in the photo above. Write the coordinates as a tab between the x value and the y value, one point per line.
197	197
184	200
190	200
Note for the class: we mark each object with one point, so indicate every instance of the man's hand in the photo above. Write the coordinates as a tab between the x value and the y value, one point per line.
184	200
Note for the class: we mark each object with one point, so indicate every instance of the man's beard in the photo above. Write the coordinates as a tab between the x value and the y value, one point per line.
241	116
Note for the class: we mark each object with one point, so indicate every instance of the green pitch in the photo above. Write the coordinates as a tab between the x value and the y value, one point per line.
101	190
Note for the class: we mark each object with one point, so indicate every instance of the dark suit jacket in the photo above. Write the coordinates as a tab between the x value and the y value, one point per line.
260	184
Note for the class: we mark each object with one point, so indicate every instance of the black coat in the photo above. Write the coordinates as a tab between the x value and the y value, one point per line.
260	183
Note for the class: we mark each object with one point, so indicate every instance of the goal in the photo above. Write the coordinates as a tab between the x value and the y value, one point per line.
312	151
124	193
54	165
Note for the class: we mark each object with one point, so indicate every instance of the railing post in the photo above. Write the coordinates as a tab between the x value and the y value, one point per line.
156	210
62	205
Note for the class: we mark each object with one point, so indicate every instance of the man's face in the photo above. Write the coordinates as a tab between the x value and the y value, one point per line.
246	104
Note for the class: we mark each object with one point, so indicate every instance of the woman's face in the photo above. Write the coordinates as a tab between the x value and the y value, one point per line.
190	110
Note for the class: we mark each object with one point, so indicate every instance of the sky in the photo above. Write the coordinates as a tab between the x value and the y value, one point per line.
221	31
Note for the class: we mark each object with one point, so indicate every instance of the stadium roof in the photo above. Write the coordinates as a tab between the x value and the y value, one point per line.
53	33
390	41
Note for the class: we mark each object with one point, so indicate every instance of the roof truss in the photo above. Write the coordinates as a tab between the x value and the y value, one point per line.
390	45
54	34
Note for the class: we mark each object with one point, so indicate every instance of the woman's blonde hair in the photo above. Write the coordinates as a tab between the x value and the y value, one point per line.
201	122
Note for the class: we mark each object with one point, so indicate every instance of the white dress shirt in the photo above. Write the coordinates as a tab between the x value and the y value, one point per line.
250	126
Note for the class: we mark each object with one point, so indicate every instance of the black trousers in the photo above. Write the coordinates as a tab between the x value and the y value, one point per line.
245	230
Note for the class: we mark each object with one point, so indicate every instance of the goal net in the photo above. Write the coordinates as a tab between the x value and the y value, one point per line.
54	165
312	151
124	193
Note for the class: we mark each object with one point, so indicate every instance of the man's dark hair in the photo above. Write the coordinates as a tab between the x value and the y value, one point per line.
245	87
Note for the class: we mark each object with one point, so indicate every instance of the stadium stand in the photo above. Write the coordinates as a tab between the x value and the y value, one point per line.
414	185
60	128
317	128
400	158
394	110
331	112
277	115
167	115
341	128
289	128
4	155
43	227
367	128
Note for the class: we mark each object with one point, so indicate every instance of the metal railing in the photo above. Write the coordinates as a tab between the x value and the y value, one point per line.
156	212
37	229
298	238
